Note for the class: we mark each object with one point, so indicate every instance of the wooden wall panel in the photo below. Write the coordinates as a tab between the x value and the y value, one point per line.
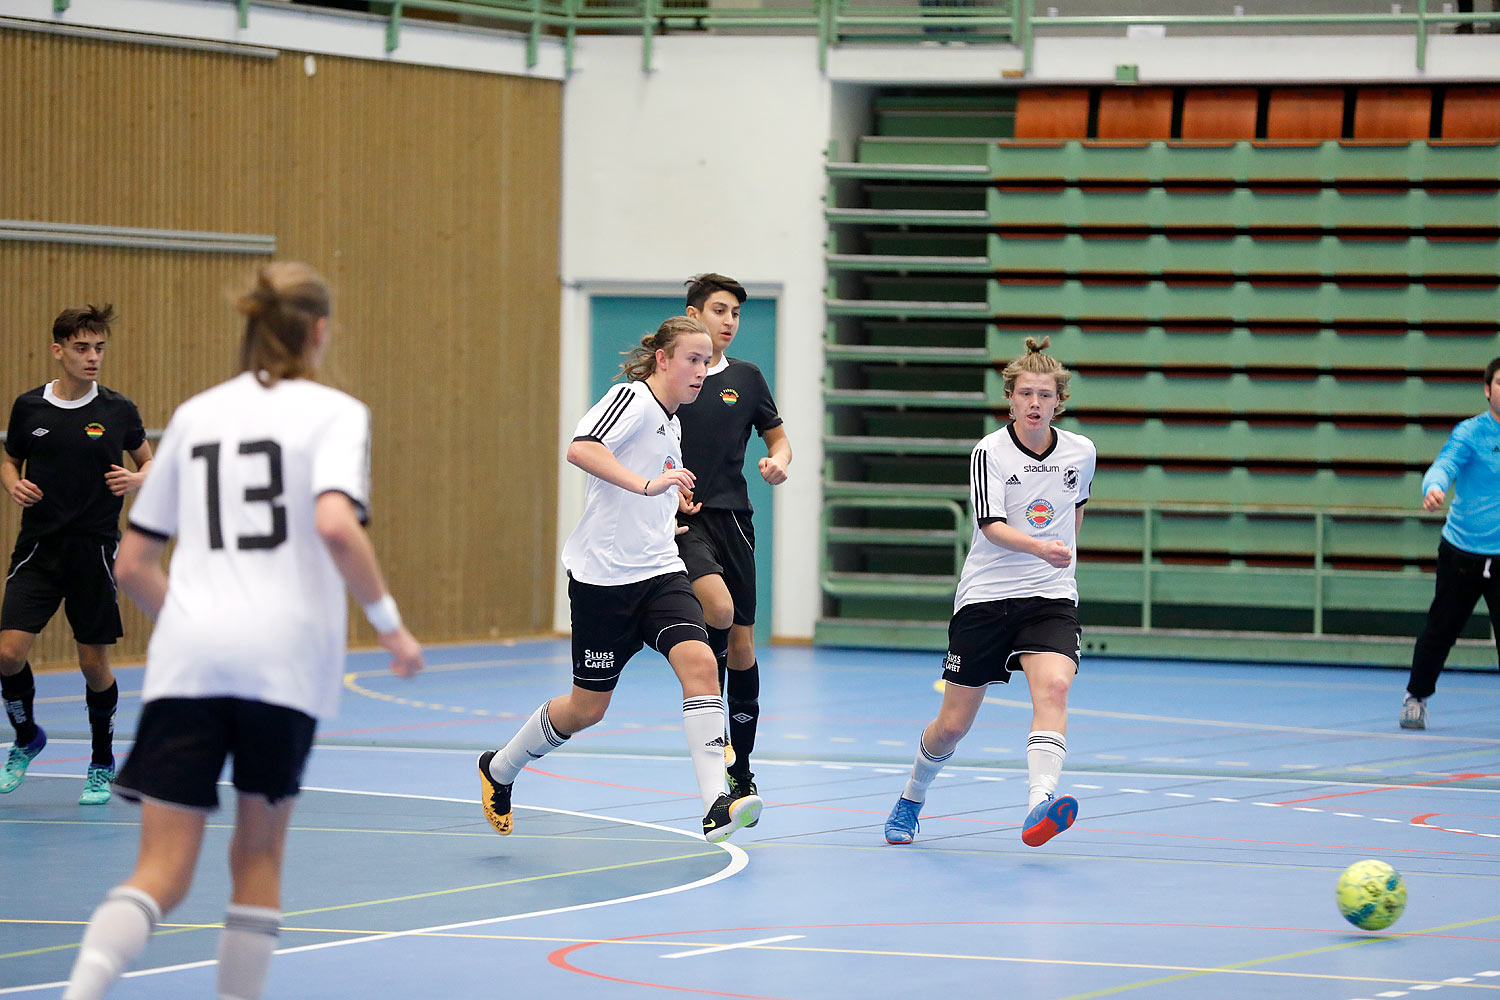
429	198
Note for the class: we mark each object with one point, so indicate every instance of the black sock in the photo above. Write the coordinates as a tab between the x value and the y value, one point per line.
744	714
718	641
18	690
101	706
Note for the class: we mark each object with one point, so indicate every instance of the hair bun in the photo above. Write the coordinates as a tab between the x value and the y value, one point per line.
1032	347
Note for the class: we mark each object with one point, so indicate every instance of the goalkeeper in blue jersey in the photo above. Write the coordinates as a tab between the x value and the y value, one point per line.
1468	564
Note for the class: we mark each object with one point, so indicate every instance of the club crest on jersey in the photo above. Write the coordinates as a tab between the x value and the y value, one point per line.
94	431
668	465
1040	513
729	396
1070	479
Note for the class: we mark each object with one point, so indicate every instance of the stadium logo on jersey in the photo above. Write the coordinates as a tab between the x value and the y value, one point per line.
1013	481
598	661
1070	479
1040	513
729	396
94	431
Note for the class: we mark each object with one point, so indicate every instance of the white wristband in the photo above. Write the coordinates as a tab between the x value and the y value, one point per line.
383	615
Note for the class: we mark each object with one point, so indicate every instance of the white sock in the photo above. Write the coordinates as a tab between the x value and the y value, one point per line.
703	722
923	770
1045	753
245	947
534	740
116	936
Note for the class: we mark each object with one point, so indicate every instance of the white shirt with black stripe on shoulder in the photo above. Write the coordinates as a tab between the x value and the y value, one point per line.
626	537
1034	493
255	606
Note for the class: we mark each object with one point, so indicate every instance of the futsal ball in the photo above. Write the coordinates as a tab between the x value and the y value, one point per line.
1371	895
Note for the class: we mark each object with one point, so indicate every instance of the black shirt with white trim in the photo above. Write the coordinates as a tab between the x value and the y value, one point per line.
66	447
716	428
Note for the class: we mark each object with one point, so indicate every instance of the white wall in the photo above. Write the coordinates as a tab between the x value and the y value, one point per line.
711	162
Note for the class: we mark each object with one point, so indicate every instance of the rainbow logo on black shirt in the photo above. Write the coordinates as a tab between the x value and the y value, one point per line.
729	396
94	431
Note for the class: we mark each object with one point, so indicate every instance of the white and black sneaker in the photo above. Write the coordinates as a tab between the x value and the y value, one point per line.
1414	713
729	814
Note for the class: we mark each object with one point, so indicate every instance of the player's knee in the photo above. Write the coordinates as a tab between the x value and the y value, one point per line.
1054	690
945	733
718	613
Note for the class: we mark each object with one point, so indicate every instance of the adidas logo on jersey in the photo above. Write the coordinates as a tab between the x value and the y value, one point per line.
39	432
717	741
660	429
1013	481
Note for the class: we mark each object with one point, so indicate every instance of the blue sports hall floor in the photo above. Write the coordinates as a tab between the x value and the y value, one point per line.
1219	803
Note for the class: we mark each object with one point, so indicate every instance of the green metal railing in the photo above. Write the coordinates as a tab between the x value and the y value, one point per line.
838	22
1322	585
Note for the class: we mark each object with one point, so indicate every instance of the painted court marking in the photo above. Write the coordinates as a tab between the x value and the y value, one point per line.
731	947
737	861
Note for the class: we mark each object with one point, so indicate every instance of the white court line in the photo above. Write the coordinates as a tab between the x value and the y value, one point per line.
1406	736
1080	769
731	947
737	861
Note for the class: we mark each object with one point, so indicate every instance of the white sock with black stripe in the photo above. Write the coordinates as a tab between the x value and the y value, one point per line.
245	947
703	723
1045	753
533	741
116	936
923	769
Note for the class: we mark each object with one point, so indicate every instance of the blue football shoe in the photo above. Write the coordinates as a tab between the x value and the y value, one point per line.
1047	819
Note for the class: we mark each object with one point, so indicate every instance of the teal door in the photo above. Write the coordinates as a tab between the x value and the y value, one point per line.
618	322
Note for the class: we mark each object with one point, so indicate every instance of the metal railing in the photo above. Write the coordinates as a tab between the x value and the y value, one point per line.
1323	571
839	22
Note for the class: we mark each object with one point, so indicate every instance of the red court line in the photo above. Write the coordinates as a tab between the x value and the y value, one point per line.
1422	821
559	958
1388	788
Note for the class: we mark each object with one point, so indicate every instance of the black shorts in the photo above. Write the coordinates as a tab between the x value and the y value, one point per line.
611	624
181	745
722	542
75	571
985	639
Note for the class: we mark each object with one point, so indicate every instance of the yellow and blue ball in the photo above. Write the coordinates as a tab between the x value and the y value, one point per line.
1371	895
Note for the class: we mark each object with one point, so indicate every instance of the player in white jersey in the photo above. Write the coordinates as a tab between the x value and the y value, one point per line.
1017	601
627	586
264	482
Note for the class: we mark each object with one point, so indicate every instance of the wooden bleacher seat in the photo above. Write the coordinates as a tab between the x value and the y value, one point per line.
1135	113
1305	113
1052	113
1471	113
1219	113
1393	113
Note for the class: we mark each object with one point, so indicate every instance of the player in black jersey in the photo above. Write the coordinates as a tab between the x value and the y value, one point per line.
719	543
62	458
